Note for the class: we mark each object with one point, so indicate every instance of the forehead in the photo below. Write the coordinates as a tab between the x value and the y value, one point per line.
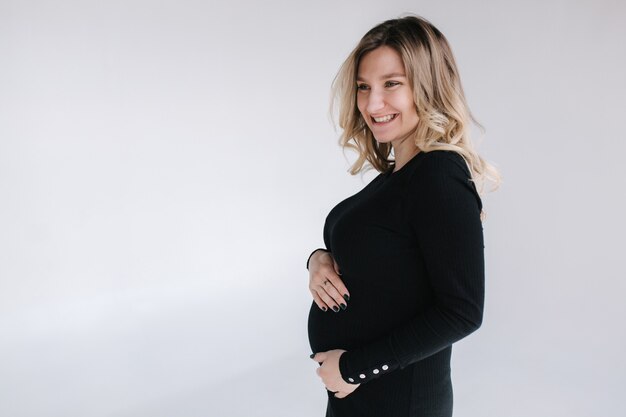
379	62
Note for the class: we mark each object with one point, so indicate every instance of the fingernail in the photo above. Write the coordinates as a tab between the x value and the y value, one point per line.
324	308
347	297
335	309
311	356
343	306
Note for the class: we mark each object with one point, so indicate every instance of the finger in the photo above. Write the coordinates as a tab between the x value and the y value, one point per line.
328	300
319	295
340	287
336	266
320	303
328	278
333	287
340	394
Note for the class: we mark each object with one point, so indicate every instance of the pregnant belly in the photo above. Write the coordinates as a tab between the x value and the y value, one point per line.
329	330
363	321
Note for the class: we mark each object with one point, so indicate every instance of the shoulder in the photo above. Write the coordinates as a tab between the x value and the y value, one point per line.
443	162
443	174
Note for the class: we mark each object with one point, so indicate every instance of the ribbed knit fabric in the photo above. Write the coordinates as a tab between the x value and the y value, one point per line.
410	248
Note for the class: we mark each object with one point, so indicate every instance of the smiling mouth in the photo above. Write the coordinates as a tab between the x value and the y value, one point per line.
385	119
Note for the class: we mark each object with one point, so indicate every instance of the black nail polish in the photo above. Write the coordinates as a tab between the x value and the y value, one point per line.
335	309
324	308
343	306
311	356
347	297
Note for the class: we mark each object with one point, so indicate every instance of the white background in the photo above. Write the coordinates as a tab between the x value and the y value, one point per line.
166	168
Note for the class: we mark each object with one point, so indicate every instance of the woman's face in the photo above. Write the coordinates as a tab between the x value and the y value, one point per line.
384	96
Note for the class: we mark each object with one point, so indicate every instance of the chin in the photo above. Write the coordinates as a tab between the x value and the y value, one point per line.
385	139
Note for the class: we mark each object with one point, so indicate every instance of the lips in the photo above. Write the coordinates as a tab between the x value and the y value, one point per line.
385	119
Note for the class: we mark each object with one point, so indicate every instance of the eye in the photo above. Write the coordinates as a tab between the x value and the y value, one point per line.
362	87
391	83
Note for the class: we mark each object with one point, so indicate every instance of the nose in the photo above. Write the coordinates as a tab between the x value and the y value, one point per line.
375	101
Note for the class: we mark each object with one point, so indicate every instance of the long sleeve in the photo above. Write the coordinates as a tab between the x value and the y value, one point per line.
326	249
443	209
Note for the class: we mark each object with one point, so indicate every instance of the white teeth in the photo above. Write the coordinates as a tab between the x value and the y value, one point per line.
384	119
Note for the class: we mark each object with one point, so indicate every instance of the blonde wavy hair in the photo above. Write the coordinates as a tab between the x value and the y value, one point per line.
444	117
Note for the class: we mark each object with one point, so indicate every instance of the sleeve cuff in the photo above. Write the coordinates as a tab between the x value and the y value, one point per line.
357	366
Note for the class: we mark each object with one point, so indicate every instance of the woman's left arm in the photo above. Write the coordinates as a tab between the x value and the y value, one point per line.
444	210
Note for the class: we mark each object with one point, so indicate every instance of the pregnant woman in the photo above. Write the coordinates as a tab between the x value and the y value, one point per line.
402	275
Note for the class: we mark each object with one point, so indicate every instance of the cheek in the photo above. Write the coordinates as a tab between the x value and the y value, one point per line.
409	109
407	104
360	104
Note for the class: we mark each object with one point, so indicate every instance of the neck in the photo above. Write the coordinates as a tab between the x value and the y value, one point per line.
403	154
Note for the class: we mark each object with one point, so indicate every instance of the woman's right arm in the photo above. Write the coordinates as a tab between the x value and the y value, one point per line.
325	283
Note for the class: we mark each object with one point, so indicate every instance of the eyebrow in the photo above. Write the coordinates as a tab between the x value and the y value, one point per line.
386	76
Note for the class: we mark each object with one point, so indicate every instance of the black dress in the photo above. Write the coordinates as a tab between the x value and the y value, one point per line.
410	249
